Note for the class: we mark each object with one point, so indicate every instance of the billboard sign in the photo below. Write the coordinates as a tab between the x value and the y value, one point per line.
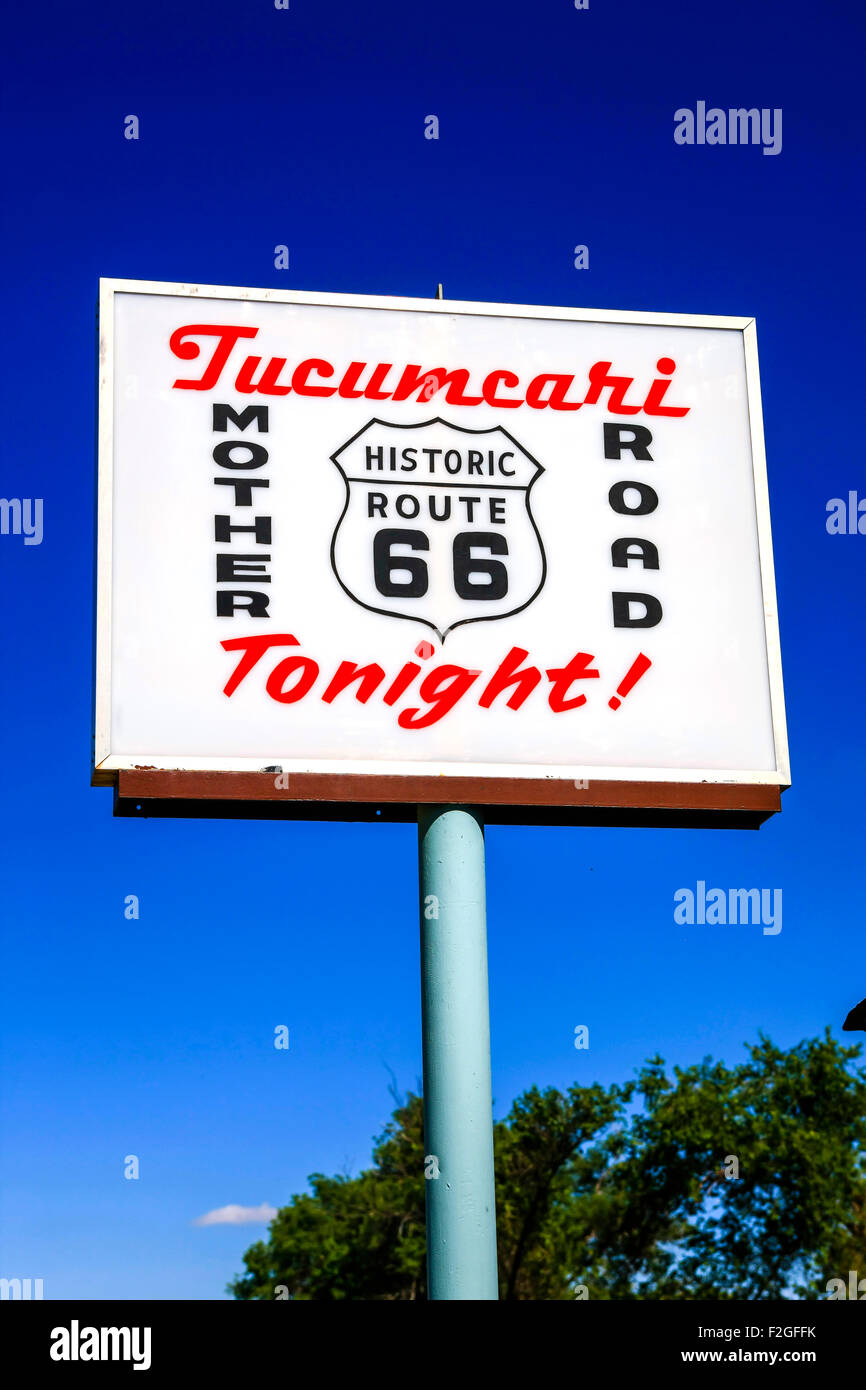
375	538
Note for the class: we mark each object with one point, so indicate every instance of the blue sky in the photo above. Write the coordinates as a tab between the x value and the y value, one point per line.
305	127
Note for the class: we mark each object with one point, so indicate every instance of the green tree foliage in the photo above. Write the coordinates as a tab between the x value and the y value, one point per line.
714	1183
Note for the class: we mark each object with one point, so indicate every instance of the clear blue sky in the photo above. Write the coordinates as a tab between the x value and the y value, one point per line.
305	127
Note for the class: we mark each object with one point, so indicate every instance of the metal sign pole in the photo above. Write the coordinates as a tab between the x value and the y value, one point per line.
458	1106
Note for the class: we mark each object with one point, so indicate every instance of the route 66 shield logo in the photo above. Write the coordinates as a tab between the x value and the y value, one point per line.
437	525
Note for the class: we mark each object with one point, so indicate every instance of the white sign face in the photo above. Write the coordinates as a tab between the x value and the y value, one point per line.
429	537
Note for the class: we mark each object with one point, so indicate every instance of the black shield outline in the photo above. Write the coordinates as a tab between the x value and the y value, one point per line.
463	429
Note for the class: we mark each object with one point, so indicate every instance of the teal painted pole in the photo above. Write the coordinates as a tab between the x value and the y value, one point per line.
458	1106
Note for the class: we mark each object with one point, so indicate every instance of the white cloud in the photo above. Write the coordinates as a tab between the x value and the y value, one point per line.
233	1215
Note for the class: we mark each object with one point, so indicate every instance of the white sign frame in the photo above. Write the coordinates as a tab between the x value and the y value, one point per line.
107	765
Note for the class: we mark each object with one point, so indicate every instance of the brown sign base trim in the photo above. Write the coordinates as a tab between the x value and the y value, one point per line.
505	801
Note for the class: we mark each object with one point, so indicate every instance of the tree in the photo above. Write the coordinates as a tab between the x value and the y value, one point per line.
352	1238
715	1183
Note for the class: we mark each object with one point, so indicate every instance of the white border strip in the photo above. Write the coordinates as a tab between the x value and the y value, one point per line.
427	306
765	554
364	767
104	524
